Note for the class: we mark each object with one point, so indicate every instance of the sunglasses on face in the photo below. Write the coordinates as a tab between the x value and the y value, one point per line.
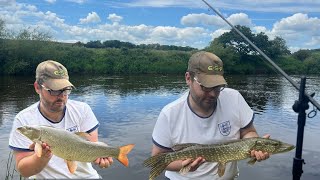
206	89
65	92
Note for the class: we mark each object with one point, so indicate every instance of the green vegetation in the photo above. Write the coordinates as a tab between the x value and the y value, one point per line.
11	171
21	52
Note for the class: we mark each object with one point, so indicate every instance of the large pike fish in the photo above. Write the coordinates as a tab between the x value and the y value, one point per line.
73	147
221	153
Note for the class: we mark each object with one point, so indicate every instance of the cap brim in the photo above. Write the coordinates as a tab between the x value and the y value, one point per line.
211	80
57	84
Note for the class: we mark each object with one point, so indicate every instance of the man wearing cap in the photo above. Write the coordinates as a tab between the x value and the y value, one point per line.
55	110
208	113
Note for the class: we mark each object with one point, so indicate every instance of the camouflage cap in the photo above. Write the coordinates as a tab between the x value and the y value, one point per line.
53	74
208	69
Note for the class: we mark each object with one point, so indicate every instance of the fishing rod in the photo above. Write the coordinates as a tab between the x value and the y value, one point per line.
299	106
265	56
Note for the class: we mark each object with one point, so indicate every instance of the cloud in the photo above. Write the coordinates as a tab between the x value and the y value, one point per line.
215	21
218	33
202	19
288	6
298	29
240	19
91	18
51	1
114	18
160	3
77	1
7	2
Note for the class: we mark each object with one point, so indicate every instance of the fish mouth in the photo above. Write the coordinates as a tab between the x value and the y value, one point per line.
30	132
285	147
21	129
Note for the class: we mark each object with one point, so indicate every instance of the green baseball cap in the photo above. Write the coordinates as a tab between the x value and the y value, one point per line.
208	69
53	74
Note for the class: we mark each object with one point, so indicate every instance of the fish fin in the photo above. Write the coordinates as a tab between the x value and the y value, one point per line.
83	135
124	150
252	161
38	149
101	143
221	169
184	170
72	166
157	163
179	147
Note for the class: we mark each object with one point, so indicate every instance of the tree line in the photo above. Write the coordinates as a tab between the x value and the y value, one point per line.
21	52
128	45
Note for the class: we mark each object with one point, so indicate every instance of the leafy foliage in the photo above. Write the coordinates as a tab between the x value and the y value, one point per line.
21	53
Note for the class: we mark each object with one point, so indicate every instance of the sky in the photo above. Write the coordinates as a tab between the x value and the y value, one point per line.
166	22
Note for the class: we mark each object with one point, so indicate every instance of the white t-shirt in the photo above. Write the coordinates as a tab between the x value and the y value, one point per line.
177	124
78	118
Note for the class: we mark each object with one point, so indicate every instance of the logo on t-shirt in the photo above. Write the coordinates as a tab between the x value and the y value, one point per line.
225	128
73	129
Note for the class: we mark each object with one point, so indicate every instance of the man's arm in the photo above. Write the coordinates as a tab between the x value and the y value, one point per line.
177	165
29	164
249	131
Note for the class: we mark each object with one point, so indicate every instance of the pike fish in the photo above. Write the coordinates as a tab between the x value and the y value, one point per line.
221	153
73	147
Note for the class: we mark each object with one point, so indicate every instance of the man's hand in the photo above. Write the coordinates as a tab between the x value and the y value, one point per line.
193	164
44	148
259	155
104	162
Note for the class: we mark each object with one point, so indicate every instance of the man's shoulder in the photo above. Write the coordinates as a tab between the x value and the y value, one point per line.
177	103
77	106
29	110
229	93
76	103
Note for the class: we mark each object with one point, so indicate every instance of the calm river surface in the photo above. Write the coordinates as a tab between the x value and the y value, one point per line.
127	108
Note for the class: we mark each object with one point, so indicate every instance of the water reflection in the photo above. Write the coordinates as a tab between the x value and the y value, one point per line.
127	108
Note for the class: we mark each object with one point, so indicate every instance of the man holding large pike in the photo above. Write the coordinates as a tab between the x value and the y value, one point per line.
53	110
208	113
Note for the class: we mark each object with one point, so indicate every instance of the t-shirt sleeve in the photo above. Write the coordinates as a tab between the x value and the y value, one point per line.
161	135
89	121
17	141
245	111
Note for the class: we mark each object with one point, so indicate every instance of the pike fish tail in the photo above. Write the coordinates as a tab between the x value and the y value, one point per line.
157	163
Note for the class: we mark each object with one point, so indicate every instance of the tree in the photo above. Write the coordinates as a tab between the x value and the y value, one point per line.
33	34
302	54
273	48
4	34
234	40
78	44
278	48
94	44
2	29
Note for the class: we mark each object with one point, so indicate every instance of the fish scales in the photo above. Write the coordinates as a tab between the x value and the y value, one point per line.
86	151
221	153
214	153
72	147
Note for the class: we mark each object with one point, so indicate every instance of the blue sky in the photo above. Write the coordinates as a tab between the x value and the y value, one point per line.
170	22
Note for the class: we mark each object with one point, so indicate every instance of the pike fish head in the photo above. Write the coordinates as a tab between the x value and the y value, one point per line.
272	146
33	133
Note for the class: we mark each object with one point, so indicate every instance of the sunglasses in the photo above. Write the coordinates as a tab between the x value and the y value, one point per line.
57	92
206	89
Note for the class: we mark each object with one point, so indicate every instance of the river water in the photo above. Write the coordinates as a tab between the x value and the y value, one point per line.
127	108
